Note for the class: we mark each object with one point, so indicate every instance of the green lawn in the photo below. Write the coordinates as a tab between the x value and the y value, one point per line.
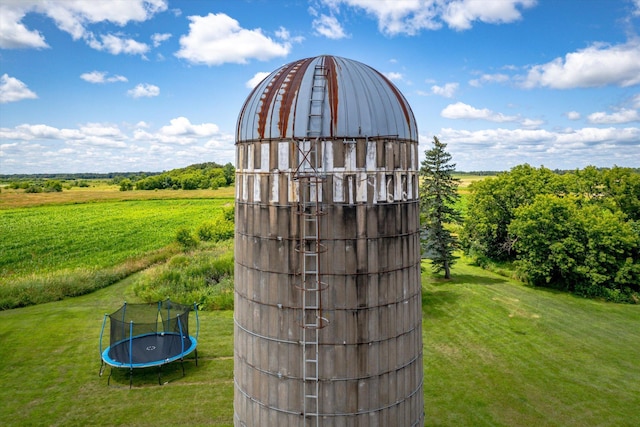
499	353
49	364
496	353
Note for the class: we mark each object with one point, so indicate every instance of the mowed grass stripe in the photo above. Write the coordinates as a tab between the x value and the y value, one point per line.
94	235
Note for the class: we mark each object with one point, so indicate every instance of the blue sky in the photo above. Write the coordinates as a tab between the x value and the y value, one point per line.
152	85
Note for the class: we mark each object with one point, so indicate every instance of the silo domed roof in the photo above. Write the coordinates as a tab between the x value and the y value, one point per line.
350	99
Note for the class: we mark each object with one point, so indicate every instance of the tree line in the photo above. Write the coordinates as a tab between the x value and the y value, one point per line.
198	176
577	231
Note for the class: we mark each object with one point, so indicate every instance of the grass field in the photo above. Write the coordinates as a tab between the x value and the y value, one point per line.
496	353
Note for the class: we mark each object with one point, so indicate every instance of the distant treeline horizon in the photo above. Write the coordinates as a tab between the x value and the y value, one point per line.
115	175
101	175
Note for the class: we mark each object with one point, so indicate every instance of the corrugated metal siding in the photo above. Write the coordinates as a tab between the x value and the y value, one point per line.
361	102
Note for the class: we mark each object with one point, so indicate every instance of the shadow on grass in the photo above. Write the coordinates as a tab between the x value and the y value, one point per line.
436	303
148	377
438	296
471	279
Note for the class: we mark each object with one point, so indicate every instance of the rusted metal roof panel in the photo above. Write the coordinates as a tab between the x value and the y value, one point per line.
358	101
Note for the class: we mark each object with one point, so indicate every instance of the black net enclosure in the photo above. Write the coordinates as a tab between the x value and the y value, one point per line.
145	335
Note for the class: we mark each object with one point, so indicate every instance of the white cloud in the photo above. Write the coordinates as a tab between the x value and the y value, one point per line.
144	90
498	136
158	38
568	149
593	136
181	126
256	79
460	110
410	17
573	115
328	26
180	131
448	90
519	137
596	65
531	123
489	78
116	45
105	147
396	17
71	16
216	39
283	34
91	134
13	33
622	116
393	76
101	77
12	90
460	14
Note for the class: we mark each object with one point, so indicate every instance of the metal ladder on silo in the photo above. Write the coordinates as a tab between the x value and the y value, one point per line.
310	180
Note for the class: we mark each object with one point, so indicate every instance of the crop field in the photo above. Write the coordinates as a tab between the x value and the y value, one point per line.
43	239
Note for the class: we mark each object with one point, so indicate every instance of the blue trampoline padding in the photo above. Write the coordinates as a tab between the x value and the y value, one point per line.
149	350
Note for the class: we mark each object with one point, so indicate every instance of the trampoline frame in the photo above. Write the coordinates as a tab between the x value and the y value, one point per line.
106	359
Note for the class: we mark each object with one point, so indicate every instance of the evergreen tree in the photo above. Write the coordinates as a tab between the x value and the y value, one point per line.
438	196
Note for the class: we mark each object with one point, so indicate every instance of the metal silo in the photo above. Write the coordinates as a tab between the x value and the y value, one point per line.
327	256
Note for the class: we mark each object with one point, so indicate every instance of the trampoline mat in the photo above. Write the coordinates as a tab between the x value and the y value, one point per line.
150	350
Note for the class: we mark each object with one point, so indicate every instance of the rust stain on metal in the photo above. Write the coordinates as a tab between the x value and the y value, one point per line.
270	93
289	91
332	86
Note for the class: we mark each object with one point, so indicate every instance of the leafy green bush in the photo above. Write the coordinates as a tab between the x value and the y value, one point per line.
205	278
52	186
126	185
216	231
33	188
584	248
186	239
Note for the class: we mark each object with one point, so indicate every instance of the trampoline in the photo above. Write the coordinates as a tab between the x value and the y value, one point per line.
148	335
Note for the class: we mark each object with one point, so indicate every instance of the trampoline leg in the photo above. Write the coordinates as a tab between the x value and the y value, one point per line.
109	379
130	378
182	363
160	375
101	368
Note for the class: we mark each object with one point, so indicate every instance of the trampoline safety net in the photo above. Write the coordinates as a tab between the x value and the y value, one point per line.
160	331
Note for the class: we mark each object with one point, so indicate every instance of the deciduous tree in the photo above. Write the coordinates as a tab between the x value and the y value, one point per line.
491	208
